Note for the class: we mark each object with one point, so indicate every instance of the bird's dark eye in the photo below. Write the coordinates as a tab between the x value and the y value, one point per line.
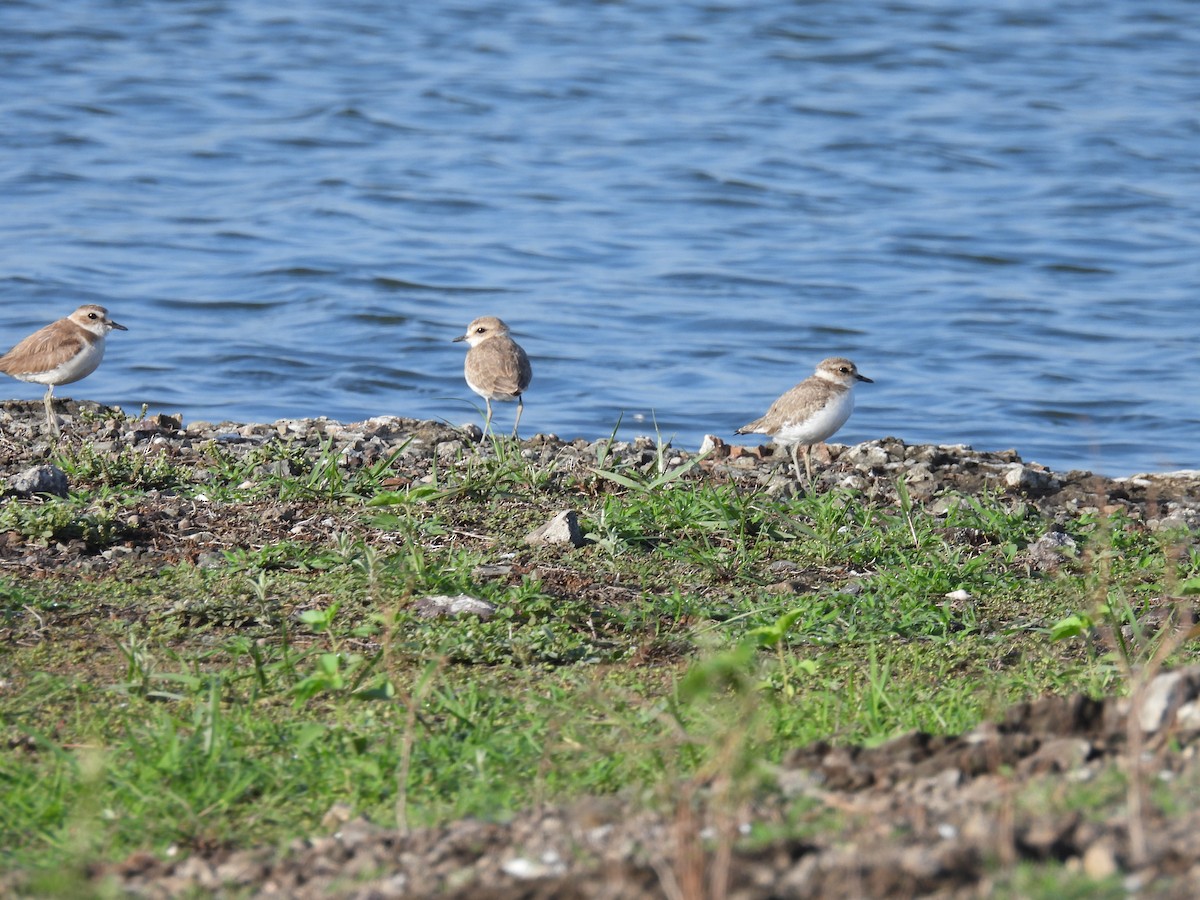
92	316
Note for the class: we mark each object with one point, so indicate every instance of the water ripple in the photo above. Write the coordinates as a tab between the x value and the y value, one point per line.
679	207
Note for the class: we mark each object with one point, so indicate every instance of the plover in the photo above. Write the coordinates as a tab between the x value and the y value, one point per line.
62	352
811	411
496	367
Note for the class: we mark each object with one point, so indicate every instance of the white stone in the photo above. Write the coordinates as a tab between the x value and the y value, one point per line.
562	529
440	605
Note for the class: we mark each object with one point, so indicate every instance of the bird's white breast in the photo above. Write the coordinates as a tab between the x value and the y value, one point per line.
819	424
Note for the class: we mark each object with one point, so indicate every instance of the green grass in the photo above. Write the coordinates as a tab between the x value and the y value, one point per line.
52	519
185	707
1053	881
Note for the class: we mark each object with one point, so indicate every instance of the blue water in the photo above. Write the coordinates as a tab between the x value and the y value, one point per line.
679	207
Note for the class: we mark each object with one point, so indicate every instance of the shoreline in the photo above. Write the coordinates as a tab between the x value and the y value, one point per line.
871	467
20	409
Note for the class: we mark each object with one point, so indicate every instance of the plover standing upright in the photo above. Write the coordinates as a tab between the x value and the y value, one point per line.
62	352
496	367
811	411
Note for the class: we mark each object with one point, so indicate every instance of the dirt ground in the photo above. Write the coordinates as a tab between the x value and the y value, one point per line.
919	816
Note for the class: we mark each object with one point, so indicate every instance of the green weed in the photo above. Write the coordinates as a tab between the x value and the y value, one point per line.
46	520
127	468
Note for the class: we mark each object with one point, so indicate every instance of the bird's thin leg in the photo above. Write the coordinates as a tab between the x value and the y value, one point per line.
487	421
520	409
808	461
51	421
796	460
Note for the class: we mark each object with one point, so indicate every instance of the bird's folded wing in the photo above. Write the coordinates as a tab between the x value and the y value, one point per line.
507	366
42	351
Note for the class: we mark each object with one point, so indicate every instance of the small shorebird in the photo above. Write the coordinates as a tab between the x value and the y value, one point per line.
62	352
811	411
496	367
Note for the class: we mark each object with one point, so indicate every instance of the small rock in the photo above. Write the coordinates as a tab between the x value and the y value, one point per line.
866	457
200	536
337	815
789	586
242	868
524	868
1166	695
280	468
491	570
783	567
1046	835
441	605
1035	481
943	506
1100	860
918	473
1188	716
39	480
211	559
562	529
782	486
1050	551
357	833
1177	520
197	871
741	458
1064	754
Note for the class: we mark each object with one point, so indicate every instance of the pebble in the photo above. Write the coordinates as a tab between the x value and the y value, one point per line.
563	528
1100	860
1167	696
39	480
442	605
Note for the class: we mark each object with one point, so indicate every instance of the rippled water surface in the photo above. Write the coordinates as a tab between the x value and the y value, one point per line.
679	207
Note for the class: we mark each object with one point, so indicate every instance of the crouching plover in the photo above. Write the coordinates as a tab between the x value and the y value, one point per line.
62	352
496	367
811	411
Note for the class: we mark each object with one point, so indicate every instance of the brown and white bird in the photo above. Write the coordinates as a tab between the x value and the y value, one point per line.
62	352
811	411
496	367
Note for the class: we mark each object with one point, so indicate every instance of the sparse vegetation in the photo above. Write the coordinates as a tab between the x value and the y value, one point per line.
706	630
